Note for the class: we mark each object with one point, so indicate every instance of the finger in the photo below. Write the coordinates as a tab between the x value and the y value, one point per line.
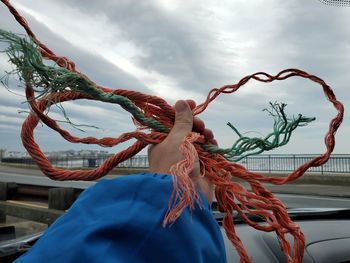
192	104
198	125
183	121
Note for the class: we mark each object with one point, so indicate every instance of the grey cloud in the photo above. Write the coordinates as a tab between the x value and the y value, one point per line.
172	44
103	71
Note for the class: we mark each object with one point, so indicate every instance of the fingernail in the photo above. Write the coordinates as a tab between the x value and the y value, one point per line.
181	106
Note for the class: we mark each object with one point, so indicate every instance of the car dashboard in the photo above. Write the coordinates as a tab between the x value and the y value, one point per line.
327	236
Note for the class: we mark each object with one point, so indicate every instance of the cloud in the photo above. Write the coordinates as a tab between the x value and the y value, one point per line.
7	119
160	49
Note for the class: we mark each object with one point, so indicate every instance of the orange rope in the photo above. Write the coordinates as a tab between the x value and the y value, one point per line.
220	172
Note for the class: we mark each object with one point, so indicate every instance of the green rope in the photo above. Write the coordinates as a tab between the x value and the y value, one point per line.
30	68
246	146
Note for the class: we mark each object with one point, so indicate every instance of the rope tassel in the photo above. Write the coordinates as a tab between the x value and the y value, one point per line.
184	192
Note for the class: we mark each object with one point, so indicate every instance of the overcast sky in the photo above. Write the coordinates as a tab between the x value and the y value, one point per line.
182	49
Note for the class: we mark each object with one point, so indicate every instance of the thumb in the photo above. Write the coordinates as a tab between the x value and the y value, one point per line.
183	121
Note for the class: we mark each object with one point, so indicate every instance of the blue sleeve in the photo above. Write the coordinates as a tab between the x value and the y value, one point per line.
120	220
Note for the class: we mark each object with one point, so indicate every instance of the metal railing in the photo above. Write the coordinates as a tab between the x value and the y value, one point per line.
290	162
263	163
139	161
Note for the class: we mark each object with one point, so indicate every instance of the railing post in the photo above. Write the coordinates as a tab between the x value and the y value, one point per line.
294	163
269	158
7	190
61	198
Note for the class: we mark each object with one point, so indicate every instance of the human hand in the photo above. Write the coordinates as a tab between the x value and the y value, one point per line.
167	153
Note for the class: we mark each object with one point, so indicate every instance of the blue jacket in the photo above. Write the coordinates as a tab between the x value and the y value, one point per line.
120	220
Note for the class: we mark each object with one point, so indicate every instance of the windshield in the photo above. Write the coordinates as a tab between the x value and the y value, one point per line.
181	50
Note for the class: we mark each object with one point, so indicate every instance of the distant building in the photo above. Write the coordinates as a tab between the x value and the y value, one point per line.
85	153
4	153
15	154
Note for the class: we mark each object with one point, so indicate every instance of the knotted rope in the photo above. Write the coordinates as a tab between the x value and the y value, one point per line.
48	85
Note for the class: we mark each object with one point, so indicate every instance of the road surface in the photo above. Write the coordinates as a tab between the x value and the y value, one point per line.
293	195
